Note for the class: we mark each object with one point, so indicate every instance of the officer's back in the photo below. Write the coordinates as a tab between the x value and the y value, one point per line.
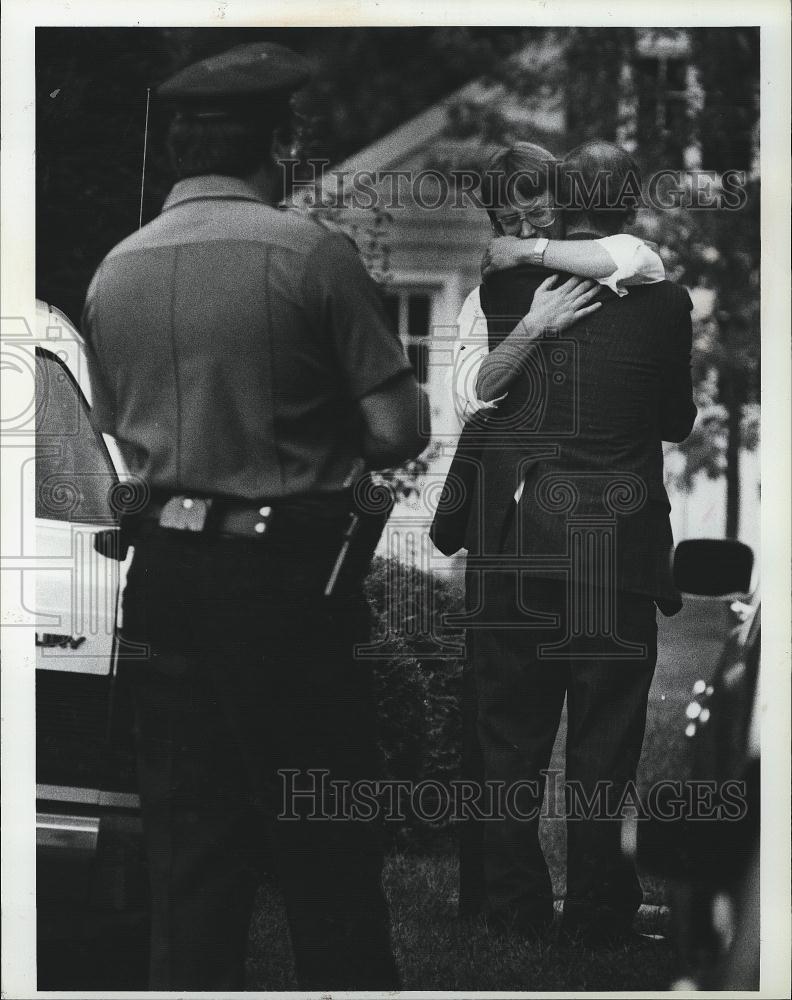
236	341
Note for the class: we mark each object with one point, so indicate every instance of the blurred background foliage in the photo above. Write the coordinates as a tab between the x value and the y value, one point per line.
91	110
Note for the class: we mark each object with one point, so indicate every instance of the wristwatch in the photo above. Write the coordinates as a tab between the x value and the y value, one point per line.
536	254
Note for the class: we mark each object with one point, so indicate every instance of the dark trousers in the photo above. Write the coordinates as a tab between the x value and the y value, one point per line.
252	673
519	694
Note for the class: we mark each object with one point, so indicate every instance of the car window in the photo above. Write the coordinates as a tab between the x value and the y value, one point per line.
74	473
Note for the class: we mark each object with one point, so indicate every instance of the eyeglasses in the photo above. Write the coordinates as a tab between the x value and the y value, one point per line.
539	217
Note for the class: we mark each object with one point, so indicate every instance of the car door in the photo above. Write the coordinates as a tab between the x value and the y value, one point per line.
91	877
77	589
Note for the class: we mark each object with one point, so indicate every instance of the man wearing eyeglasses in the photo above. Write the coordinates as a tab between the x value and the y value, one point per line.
567	533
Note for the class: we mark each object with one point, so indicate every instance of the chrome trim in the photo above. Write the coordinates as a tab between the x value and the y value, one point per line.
89	796
74	833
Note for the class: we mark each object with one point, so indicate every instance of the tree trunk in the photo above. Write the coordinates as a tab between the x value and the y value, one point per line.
732	396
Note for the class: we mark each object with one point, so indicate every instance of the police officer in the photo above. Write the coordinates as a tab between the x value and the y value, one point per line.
241	357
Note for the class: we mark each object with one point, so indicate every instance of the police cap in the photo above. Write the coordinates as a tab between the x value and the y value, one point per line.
246	72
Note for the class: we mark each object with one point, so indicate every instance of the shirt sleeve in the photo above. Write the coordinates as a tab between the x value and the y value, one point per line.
351	309
471	348
636	263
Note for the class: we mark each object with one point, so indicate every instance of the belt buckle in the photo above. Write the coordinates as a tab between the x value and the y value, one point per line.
184	513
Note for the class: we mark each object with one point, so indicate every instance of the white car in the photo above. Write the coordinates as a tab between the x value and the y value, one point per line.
89	847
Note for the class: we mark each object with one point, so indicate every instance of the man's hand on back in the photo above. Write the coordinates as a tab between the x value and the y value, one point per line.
558	308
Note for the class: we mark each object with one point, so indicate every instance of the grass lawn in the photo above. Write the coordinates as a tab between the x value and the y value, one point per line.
437	951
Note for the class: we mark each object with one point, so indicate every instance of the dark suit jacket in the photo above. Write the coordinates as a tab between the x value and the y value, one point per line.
582	425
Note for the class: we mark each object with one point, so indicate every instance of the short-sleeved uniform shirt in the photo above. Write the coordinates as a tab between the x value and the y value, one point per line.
229	343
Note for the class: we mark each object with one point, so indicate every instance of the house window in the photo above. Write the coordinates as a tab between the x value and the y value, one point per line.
410	312
663	101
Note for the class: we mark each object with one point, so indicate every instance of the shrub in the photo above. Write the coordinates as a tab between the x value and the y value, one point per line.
418	676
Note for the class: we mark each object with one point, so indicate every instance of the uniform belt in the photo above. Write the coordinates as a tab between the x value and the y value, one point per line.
321	531
199	514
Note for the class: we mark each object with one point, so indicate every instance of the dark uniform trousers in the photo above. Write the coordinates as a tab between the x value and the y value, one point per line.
252	672
516	696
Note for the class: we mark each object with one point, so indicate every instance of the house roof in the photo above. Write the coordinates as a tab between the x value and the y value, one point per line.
397	145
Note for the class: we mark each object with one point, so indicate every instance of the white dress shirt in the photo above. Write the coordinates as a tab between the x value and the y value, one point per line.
636	263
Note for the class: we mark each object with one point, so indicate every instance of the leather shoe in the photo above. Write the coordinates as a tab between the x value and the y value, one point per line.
593	936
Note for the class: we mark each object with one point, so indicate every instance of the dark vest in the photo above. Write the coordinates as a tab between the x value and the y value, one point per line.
582	428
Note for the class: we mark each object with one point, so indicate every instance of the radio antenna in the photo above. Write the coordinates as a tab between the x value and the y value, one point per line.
145	146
